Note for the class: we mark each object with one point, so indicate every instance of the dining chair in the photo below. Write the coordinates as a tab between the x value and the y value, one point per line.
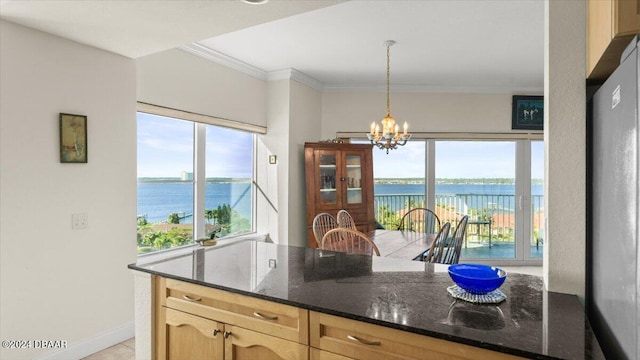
350	241
434	253
420	220
345	220
322	223
451	253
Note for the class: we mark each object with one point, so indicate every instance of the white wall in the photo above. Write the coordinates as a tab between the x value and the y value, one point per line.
425	112
305	109
276	142
565	147
180	80
58	283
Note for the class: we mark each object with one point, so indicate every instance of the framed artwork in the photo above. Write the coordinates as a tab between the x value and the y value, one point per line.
527	112
73	138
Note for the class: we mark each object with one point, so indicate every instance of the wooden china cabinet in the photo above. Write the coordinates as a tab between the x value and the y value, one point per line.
339	176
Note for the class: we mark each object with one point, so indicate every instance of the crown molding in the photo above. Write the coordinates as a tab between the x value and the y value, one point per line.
243	67
225	60
433	89
299	76
296	75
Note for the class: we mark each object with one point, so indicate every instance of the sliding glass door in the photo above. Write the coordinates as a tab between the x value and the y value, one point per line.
477	179
537	199
496	183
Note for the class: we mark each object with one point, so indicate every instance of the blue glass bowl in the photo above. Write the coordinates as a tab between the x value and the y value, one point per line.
477	279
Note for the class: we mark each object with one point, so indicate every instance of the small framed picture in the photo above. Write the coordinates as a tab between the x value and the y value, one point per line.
527	112
73	138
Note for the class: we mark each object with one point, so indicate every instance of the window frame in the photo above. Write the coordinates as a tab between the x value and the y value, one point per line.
200	123
523	196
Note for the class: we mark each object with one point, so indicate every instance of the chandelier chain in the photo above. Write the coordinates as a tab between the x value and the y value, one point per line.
388	81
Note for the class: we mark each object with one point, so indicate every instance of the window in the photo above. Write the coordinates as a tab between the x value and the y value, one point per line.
497	183
478	179
228	190
190	186
398	182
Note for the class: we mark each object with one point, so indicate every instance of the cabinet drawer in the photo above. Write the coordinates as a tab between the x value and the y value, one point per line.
361	340
287	322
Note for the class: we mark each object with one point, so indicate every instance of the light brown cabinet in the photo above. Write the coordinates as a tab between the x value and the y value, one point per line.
339	338
190	336
197	322
610	26
339	176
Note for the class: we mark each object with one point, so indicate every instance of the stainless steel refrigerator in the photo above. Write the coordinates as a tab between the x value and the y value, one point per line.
613	267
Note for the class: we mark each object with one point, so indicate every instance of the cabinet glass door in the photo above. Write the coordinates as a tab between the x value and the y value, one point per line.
354	179
328	193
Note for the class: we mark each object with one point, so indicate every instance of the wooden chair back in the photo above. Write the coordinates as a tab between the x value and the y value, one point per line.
322	223
345	220
451	254
420	220
434	254
350	241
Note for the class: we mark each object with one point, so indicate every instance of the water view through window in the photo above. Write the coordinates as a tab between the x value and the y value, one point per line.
166	196
476	178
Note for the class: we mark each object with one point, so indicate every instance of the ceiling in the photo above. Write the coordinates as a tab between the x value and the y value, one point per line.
457	46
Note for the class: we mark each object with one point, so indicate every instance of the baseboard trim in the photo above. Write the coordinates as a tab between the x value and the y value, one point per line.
92	345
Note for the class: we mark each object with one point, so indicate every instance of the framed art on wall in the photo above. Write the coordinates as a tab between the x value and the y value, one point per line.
73	138
527	112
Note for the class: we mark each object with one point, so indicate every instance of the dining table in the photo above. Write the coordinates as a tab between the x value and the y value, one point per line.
402	244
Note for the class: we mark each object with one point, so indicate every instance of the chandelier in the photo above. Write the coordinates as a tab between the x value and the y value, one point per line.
390	138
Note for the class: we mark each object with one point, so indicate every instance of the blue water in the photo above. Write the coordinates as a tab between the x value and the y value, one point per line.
498	197
484	189
157	200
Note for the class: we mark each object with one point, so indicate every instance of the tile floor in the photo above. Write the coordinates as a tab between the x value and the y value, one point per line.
123	351
126	350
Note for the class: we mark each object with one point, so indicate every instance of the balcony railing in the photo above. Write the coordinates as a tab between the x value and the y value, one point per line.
496	211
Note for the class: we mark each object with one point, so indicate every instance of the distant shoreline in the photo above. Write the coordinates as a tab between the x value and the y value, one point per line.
179	180
460	181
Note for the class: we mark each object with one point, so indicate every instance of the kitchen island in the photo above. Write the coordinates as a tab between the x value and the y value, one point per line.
300	303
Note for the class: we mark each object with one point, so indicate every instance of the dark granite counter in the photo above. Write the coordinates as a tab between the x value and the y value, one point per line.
401	294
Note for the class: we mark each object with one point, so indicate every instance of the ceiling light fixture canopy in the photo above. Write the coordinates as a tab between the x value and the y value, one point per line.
255	2
389	139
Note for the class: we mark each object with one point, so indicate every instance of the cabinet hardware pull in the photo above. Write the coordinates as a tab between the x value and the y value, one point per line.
187	297
366	342
227	334
260	316
215	332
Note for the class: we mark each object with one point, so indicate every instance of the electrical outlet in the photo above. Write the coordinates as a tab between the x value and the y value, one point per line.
272	263
79	221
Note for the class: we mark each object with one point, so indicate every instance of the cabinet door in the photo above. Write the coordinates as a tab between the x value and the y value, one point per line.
316	354
243	344
187	336
327	179
352	180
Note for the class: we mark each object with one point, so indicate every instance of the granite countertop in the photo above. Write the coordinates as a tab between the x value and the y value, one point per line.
401	294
